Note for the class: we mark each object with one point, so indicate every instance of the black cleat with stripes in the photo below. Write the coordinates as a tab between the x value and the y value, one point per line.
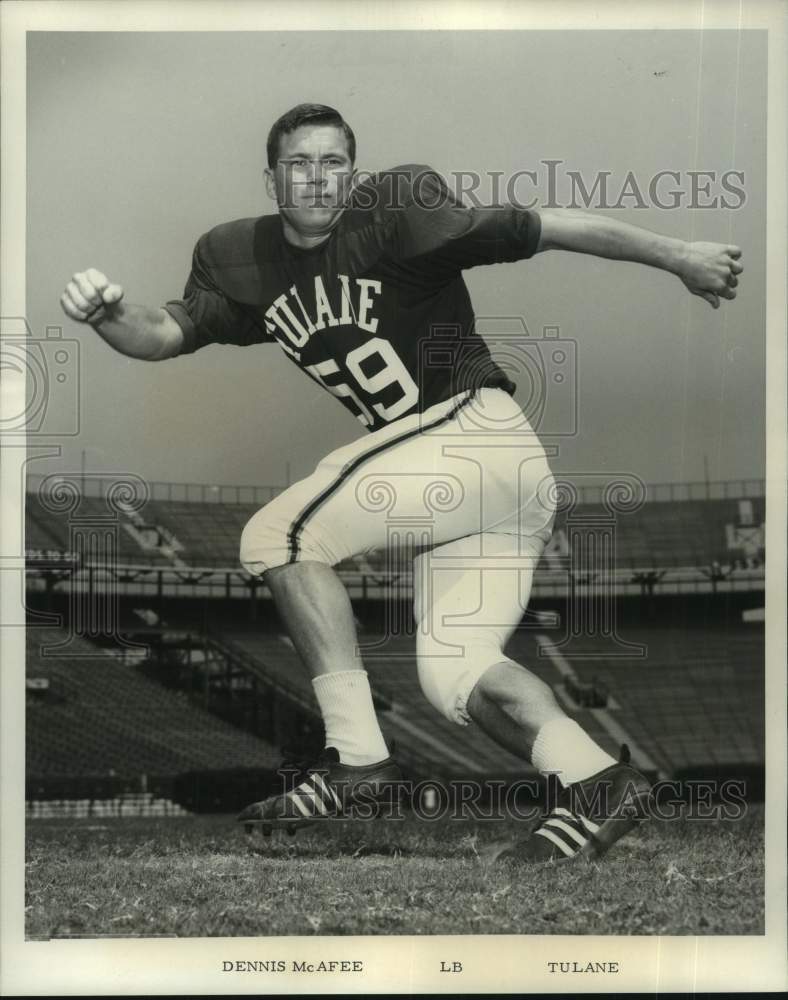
587	819
325	789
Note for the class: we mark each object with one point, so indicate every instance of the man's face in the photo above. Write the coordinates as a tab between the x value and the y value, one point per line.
312	178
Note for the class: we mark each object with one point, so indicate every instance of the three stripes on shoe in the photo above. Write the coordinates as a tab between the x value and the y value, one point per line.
566	830
314	797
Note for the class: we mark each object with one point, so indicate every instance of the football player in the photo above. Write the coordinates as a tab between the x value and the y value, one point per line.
359	282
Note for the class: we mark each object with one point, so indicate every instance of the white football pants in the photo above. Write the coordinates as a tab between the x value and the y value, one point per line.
467	482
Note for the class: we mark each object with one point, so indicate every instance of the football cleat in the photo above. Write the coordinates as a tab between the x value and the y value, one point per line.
587	819
323	789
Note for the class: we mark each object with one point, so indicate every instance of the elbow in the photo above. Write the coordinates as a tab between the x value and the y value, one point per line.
163	352
168	339
551	226
567	229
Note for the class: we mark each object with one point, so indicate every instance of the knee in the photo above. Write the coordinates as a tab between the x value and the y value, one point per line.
262	545
509	683
449	673
537	519
270	540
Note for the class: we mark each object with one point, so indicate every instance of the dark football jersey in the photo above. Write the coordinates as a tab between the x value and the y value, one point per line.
379	314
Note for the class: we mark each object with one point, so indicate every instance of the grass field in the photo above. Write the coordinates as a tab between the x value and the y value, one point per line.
201	876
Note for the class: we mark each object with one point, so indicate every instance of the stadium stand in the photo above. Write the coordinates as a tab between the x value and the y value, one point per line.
47	530
209	532
696	698
101	716
683	533
661	534
407	718
233	688
43	533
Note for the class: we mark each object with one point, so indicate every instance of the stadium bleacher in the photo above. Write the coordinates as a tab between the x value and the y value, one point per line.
47	530
684	533
209	532
100	716
661	534
408	719
695	700
43	533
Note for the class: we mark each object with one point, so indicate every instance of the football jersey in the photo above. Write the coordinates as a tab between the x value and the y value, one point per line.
378	314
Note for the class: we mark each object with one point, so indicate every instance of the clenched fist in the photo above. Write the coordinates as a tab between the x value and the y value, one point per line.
711	270
88	294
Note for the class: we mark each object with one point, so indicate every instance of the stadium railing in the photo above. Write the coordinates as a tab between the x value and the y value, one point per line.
681	530
97	486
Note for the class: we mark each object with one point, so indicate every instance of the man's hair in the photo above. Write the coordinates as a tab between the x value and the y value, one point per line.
307	114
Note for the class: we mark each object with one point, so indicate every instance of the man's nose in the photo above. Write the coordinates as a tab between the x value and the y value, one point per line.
316	175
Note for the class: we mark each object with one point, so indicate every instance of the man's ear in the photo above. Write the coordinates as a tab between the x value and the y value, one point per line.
270	183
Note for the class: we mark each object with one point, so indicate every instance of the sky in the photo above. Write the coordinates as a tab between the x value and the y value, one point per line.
138	143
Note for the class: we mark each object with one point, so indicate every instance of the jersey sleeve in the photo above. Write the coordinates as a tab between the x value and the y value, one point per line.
206	313
436	228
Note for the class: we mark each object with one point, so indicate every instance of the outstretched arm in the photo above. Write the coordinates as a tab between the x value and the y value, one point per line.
709	270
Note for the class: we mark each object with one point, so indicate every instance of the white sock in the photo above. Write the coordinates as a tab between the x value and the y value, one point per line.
345	701
562	746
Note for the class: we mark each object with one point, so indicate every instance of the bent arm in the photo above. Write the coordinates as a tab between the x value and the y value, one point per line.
136	331
709	270
149	334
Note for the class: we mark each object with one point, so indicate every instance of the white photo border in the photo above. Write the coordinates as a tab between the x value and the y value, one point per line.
493	963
